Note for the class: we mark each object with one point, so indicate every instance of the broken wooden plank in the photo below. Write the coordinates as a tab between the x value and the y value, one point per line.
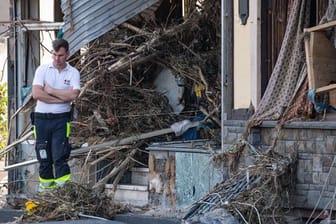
101	183
103	145
327	88
320	27
127	140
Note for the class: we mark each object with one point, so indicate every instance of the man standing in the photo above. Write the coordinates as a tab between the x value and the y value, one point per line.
55	86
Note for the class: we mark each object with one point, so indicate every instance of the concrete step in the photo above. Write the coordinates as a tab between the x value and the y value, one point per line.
135	195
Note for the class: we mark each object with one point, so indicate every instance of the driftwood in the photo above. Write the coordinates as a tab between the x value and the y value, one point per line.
98	147
125	141
110	152
100	185
149	46
119	109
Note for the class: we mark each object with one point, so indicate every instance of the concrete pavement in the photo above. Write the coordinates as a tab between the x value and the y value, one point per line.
11	215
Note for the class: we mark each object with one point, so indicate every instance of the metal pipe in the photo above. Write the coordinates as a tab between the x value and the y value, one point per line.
226	63
25	163
222	74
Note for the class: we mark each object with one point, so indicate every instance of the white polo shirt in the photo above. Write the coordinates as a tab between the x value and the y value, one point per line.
47	73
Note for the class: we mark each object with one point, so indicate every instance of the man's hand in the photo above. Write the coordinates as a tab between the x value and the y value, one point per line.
48	89
66	95
39	93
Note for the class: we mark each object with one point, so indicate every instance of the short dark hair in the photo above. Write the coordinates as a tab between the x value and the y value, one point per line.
58	43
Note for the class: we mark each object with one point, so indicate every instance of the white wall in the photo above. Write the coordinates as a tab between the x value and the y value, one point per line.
246	66
46	37
242	63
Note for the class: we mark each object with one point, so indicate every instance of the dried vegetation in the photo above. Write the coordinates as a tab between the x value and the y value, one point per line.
118	100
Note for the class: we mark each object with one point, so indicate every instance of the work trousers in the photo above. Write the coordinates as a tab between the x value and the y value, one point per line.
52	146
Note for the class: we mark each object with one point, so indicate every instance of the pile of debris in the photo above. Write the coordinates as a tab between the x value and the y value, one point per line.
120	104
118	71
254	195
69	202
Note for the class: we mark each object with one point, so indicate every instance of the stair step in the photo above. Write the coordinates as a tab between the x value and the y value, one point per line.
140	169
139	176
136	195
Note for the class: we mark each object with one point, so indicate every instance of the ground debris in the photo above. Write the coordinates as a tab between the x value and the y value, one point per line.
69	202
256	194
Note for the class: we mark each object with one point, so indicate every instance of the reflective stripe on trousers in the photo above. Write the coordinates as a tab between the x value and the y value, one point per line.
62	180
46	184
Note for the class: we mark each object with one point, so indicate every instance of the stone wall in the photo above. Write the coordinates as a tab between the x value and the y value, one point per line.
315	177
316	172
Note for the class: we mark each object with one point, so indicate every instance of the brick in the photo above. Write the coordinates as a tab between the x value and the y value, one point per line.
289	145
303	135
316	134
325	169
332	176
326	161
305	156
255	136
301	164
231	138
316	187
331	188
308	165
299	201
321	147
236	129
313	197
310	146
300	176
225	131
316	178
290	134
308	178
280	146
301	146
317	164
301	188
331	144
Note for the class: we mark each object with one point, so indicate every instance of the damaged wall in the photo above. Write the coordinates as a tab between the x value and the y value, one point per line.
178	178
314	179
315	174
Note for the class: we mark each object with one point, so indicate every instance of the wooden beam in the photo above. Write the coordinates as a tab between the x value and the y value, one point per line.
127	140
327	88
320	27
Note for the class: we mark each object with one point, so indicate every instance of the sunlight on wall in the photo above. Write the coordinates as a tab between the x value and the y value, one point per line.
46	37
242	61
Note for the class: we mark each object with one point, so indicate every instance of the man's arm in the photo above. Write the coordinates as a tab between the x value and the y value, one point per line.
40	94
67	95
